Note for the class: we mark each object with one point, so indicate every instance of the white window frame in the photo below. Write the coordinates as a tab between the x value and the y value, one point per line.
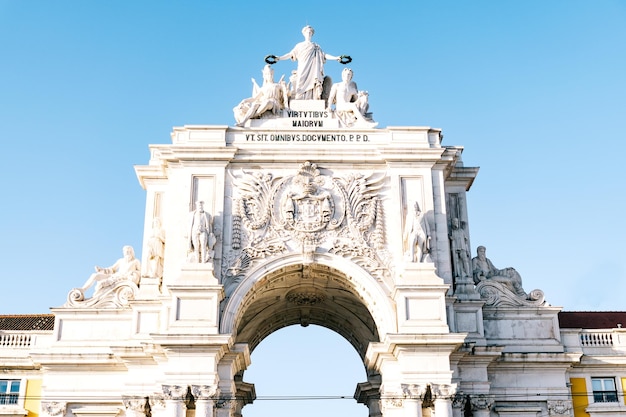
604	393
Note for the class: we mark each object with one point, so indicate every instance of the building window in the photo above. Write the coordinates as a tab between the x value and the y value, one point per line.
9	391
604	390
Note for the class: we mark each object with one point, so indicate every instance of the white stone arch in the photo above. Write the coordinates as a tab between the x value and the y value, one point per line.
374	296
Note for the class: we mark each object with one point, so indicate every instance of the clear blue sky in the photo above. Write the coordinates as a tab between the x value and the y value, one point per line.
534	90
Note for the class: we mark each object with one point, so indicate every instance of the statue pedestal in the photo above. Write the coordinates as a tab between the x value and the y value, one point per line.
195	300
421	299
197	273
149	288
419	273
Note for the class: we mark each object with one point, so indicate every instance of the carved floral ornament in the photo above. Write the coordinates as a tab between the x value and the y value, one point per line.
136	403
560	408
307	212
53	408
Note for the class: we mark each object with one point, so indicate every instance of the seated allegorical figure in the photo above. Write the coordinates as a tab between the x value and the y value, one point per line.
351	105
127	268
484	270
270	97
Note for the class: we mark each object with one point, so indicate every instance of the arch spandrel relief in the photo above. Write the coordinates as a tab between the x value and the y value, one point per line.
307	212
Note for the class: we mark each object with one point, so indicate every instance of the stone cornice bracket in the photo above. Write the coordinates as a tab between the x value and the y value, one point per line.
54	408
205	392
174	392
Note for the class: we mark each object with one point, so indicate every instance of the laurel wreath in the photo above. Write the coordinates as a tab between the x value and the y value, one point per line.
345	59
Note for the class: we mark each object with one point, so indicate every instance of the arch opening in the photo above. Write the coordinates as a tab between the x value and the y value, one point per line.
302	371
306	294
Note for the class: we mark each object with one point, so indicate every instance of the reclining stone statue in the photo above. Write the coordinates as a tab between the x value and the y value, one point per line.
126	268
115	285
270	98
484	270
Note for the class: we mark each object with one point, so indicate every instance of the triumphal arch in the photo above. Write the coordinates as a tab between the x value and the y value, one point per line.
304	211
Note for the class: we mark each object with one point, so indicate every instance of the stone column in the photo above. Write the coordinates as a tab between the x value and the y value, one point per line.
413	395
175	400
53	408
205	399
157	405
443	399
136	406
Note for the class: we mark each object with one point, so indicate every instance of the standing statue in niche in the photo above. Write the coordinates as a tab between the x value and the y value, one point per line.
126	268
459	246
309	77
270	98
484	270
201	237
351	105
156	250
417	236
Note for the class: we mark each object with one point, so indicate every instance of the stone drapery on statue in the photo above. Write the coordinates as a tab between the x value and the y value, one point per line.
269	99
350	105
309	77
201	238
459	247
417	236
155	249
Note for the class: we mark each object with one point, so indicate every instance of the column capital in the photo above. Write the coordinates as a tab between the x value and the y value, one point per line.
205	392
559	408
414	391
157	401
444	390
481	401
135	403
390	402
54	408
174	392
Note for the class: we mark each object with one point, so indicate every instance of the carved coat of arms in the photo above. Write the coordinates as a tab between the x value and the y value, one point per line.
307	212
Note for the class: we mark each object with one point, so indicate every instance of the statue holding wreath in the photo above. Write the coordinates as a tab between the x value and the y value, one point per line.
309	78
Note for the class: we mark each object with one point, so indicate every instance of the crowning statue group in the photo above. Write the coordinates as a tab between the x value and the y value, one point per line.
307	82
